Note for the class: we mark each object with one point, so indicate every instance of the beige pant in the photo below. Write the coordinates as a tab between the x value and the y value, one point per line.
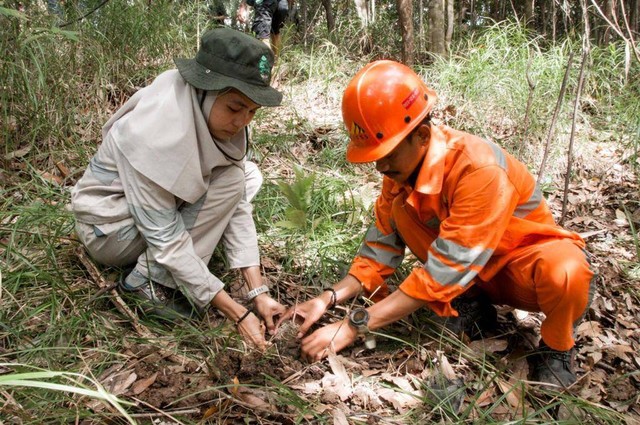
207	221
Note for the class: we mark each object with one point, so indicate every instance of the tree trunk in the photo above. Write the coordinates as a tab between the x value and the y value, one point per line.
303	20
608	13
372	10
363	12
331	23
634	18
528	13
450	23
495	10
436	28
472	9
405	17
544	24
554	16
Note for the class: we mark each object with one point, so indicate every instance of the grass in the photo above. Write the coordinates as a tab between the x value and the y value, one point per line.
57	88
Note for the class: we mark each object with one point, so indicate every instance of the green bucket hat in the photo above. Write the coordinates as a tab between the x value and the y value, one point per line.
231	59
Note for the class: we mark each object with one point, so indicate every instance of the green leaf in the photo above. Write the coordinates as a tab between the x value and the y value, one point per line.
12	13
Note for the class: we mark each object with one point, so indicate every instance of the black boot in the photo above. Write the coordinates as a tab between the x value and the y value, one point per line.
476	315
553	367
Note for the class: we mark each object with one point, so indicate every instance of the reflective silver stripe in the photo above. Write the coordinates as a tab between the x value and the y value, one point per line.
465	257
530	205
384	256
102	173
500	158
158	227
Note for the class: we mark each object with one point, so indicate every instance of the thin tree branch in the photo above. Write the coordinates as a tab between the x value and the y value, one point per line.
576	107
563	88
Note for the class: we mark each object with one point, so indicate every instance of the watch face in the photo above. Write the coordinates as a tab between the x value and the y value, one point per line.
359	317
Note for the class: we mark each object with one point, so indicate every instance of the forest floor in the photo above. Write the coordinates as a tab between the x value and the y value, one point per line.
417	374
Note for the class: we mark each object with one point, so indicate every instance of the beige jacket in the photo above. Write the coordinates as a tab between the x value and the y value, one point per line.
157	154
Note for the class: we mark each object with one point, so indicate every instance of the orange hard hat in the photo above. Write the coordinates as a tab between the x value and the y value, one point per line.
380	106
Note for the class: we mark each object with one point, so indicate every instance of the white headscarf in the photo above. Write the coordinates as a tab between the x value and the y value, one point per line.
162	131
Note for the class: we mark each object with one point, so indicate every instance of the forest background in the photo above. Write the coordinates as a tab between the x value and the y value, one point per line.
555	82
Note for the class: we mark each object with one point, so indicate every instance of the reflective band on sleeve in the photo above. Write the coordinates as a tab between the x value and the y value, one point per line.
500	158
371	247
462	256
102	173
530	205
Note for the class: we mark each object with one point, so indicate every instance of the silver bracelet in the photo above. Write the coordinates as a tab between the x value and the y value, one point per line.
257	291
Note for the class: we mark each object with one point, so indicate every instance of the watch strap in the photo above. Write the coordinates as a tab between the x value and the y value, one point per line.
257	291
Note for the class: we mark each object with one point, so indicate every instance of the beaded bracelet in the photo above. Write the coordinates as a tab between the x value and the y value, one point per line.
244	316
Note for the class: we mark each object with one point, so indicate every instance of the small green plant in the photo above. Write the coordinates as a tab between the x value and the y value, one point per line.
299	194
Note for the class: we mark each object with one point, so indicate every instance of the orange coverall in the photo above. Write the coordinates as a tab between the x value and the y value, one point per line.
476	217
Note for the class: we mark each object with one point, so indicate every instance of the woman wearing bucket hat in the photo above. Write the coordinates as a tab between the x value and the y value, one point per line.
171	180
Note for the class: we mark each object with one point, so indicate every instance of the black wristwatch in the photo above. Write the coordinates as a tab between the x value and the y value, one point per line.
359	319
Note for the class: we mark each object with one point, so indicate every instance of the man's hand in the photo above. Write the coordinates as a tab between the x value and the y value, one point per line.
311	311
334	337
252	331
269	309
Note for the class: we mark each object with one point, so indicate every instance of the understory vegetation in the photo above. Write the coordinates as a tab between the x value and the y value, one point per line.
64	348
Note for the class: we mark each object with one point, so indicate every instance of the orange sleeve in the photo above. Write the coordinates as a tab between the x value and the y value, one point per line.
371	273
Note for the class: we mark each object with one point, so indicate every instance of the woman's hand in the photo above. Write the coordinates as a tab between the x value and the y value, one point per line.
252	331
249	326
269	309
333	337
311	311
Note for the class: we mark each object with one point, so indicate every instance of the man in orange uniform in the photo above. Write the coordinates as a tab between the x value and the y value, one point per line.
467	209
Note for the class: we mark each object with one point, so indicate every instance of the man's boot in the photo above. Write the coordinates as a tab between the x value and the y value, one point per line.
553	367
476	315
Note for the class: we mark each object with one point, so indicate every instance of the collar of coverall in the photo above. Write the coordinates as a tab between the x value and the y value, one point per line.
431	175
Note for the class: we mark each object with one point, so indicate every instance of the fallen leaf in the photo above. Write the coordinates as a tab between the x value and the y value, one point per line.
18	153
489	345
445	366
339	417
211	411
400	401
370	372
63	169
143	384
594	358
485	398
621	219
253	398
337	366
512	392
332	386
51	178
590	329
120	382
